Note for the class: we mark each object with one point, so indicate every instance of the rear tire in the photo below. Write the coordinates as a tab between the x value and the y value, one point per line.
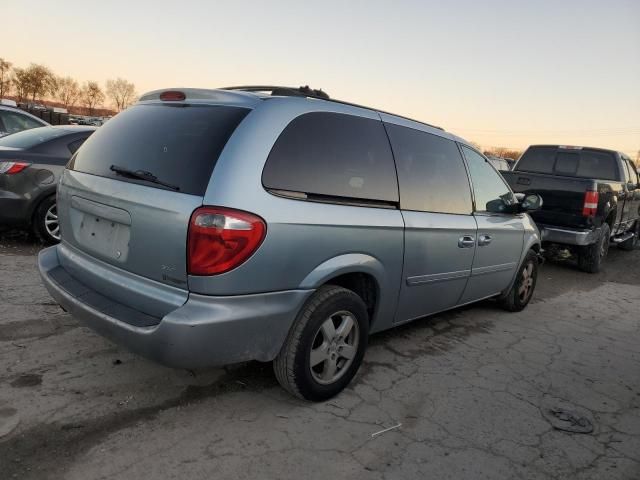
590	257
325	345
523	287
45	221
634	241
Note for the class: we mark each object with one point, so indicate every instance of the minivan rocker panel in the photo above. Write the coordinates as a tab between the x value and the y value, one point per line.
361	208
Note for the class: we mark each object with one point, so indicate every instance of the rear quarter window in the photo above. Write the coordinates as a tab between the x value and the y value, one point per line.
179	144
334	155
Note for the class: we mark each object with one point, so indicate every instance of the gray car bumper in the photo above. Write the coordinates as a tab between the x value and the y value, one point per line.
205	331
568	236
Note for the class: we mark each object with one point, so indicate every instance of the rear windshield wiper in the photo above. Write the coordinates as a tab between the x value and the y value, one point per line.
142	175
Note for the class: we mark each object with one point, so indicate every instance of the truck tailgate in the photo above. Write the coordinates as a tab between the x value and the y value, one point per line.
563	197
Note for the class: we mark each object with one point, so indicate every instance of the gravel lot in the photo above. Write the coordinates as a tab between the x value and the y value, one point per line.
477	392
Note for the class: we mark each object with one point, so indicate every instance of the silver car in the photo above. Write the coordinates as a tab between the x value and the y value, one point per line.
207	227
14	120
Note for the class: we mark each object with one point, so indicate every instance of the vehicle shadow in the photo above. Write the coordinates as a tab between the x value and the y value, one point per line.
18	242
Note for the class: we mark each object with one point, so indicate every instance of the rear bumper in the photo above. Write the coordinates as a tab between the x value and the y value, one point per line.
205	331
568	236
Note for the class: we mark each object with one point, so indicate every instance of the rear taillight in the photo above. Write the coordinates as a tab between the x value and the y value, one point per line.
220	239
11	167
590	207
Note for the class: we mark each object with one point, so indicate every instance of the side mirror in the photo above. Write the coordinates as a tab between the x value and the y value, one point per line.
497	206
531	202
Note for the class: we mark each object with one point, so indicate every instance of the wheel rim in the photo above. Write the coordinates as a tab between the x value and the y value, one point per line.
51	224
526	282
334	347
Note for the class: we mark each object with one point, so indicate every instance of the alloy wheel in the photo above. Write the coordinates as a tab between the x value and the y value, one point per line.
526	283
334	347
51	223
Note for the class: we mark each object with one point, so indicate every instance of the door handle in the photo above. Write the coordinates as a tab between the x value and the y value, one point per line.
466	241
484	239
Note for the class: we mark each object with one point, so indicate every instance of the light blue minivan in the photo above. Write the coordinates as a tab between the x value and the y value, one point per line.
207	227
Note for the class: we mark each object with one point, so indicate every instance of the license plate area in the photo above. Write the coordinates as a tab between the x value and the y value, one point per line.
105	230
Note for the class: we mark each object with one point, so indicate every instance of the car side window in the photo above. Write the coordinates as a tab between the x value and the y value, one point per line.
626	170
15	122
333	155
489	188
431	172
634	173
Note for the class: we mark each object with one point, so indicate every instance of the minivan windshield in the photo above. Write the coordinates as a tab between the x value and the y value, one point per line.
179	144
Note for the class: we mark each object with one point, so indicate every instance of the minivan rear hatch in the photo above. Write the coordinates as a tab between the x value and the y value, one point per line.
128	193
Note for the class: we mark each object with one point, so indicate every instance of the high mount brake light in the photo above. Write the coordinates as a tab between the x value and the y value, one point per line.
172	96
590	207
12	166
221	239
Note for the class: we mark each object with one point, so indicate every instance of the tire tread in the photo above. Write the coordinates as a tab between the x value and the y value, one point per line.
284	363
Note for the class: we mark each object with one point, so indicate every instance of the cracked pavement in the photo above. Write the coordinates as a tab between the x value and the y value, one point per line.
472	388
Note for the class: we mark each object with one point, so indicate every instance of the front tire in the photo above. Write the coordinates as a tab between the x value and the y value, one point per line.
522	289
45	221
590	258
325	346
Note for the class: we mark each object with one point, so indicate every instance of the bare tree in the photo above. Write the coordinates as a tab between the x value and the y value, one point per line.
5	81
68	91
21	83
503	152
122	92
40	81
476	145
92	95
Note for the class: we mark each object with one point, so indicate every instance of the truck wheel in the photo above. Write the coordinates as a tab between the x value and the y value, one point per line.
522	289
633	242
45	221
325	345
591	256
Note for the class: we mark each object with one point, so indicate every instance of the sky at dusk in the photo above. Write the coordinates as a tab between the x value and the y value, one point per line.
500	73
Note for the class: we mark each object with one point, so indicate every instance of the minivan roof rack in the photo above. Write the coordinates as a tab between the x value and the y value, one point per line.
276	90
308	92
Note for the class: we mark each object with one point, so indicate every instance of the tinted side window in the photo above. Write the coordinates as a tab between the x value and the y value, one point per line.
487	183
333	154
634	173
626	170
431	172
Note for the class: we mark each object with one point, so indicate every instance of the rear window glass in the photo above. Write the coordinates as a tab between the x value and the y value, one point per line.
178	144
582	163
335	155
30	138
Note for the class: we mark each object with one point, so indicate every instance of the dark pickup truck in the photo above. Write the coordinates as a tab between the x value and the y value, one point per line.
591	197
